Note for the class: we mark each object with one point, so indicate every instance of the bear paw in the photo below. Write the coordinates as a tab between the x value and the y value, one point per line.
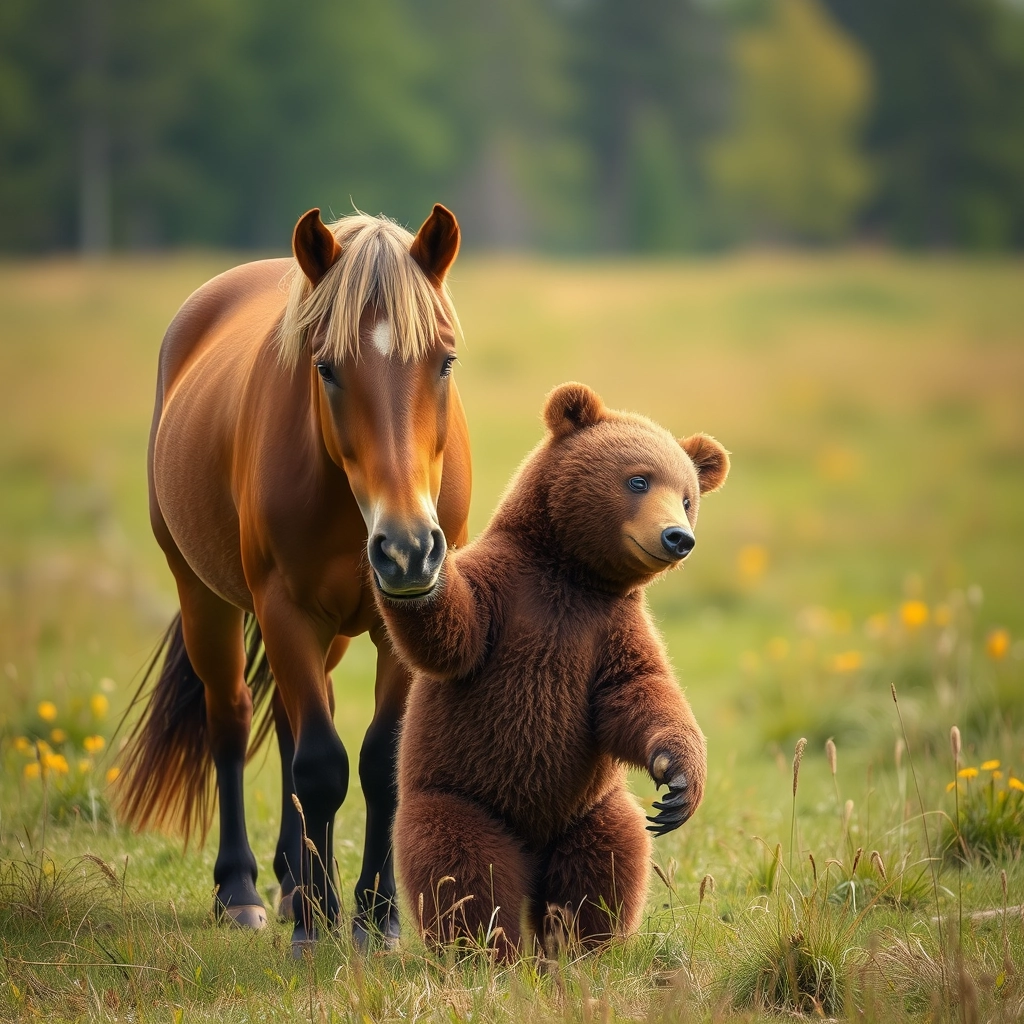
679	803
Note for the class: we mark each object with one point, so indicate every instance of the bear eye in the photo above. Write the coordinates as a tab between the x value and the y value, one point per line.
686	504
638	484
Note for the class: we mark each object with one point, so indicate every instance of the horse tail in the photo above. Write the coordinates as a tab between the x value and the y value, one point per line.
166	778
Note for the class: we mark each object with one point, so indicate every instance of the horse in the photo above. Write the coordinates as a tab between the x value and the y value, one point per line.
308	444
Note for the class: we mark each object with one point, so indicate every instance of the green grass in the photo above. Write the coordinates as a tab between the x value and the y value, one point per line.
871	533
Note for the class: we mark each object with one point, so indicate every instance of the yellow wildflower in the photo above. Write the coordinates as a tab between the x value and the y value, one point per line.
112	773
58	735
950	786
56	762
778	648
23	745
989	766
913	614
943	615
847	661
93	744
1016	784
47	710
968	773
997	644
99	705
31	770
43	747
84	765
752	560
997	775
876	625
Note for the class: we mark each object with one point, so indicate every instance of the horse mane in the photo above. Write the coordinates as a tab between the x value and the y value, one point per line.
374	269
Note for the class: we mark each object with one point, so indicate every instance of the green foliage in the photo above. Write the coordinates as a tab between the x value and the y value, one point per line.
986	820
791	159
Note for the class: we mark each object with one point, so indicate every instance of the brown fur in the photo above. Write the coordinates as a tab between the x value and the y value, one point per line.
538	677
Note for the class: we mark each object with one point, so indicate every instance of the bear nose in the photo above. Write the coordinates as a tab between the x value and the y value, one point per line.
677	541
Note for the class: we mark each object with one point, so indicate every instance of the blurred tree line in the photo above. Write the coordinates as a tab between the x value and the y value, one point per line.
570	125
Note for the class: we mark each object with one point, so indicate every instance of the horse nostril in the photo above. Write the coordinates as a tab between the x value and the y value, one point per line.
677	541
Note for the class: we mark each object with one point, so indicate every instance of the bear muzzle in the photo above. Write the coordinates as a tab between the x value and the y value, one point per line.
677	542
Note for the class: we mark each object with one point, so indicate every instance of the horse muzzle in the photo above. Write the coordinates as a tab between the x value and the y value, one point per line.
406	561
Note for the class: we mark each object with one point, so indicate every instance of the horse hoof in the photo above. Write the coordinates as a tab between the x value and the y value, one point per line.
302	946
283	906
254	916
385	938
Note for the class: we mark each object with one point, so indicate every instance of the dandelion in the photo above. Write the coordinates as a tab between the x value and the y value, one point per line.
58	735
84	766
56	762
22	745
876	625
112	773
93	744
989	766
943	615
752	560
47	710
1015	783
997	644
913	614
950	786
99	705
997	775
31	770
968	773
778	648
43	747
847	661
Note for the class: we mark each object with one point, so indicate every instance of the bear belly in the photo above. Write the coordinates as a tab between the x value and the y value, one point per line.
515	739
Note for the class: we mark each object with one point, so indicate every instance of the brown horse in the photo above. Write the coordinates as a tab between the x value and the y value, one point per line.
307	445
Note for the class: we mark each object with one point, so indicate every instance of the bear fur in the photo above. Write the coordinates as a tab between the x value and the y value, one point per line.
537	677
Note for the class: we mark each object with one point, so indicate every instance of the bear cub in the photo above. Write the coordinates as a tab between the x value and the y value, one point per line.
537	677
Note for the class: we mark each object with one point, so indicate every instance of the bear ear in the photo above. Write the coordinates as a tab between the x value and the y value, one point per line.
710	460
570	407
315	247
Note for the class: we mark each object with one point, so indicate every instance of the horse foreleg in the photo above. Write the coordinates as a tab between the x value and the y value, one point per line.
297	647
376	897
289	841
212	631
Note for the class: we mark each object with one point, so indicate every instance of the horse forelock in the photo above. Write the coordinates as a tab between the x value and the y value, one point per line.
375	271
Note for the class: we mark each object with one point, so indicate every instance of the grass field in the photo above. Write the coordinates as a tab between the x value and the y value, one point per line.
871	535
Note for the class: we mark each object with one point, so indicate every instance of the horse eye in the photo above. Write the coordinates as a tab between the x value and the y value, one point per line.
446	369
638	484
686	504
325	371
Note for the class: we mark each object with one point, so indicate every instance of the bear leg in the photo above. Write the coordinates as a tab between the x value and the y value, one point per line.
595	881
470	875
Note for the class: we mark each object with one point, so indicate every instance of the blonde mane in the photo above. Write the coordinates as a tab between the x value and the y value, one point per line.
375	270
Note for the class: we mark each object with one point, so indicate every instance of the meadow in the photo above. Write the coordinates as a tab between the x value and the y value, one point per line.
847	862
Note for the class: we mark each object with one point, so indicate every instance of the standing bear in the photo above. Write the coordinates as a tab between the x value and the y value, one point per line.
538	676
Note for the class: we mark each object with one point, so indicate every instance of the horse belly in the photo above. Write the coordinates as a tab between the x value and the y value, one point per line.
191	479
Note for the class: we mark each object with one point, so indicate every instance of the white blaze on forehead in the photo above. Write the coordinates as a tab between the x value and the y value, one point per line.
382	337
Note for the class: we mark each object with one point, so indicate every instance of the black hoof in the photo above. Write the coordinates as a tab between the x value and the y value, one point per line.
367	934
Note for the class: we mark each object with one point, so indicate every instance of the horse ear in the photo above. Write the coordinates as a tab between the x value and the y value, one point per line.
571	407
315	247
710	460
437	244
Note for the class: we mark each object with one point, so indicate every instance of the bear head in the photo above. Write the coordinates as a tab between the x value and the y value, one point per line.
622	494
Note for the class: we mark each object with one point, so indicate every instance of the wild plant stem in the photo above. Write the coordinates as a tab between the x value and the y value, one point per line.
927	840
959	860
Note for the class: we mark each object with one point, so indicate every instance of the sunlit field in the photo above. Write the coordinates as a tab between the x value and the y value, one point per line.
869	541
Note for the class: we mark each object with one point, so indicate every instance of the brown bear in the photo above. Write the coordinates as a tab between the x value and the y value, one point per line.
538	676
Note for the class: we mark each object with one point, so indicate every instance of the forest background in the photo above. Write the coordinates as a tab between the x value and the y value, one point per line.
562	125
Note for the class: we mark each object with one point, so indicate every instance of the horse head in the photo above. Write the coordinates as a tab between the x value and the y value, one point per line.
381	345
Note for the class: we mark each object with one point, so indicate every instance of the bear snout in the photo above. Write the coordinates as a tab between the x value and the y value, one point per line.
677	541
